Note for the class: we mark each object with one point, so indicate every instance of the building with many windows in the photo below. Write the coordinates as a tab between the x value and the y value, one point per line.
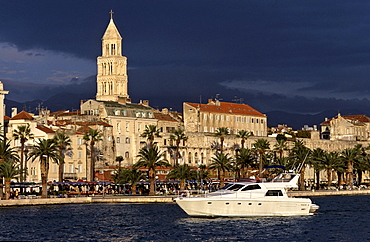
206	118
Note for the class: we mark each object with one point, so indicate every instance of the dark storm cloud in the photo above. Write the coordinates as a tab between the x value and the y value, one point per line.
312	54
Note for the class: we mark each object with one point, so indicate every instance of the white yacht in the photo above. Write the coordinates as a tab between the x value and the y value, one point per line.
243	199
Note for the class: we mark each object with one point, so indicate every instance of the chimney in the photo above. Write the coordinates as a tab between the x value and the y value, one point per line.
14	111
165	110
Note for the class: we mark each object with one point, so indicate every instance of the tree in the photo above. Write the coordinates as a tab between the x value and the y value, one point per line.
350	156
316	162
178	135
243	135
62	141
244	160
92	136
23	134
300	156
131	176
222	132
280	146
181	173
329	161
261	145
151	158
150	132
45	150
9	170
7	153
222	163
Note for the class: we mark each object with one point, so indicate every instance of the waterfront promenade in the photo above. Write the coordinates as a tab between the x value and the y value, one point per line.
156	199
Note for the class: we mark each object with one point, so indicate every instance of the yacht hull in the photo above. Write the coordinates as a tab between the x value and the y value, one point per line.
226	207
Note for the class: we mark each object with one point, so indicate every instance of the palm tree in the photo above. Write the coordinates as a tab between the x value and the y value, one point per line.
151	158
178	136
300	155
261	145
245	159
9	170
150	132
280	146
62	141
329	161
243	134
23	134
222	132
222	163
134	177
7	153
93	135
45	150
350	156
182	173
316	162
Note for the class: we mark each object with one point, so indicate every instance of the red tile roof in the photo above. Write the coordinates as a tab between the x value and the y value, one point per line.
164	117
361	118
45	129
22	115
230	108
6	117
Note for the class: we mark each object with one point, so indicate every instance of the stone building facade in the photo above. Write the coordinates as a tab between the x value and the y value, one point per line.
346	127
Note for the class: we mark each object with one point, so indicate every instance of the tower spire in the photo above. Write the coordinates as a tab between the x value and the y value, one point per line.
111	14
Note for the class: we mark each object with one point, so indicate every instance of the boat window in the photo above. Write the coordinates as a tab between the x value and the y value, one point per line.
251	187
274	193
235	187
227	186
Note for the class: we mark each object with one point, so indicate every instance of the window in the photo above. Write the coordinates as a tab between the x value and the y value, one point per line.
127	127
79	154
118	140
235	187
79	168
127	140
205	116
79	141
251	187
70	168
274	193
127	155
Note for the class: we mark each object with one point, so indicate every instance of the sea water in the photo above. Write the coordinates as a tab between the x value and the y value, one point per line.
340	218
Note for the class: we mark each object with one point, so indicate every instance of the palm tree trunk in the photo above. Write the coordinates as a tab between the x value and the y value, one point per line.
222	178
301	178
152	182
359	178
339	174
22	176
350	174
7	190
317	180
328	172
133	188
92	161
61	166
44	178
260	164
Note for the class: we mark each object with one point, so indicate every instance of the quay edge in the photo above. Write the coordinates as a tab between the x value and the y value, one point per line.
321	193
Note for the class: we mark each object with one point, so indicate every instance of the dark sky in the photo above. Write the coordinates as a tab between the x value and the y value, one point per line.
296	56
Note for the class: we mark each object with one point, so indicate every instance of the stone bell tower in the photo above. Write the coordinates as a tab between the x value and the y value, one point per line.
112	77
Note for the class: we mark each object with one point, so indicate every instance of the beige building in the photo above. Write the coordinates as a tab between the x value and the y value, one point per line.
206	118
346	127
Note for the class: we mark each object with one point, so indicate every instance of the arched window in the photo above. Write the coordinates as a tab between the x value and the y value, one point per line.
127	154
189	158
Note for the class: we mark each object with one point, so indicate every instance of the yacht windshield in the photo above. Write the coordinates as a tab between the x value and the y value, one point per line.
235	187
251	187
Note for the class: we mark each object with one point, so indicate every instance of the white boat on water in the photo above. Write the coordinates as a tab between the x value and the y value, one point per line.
242	199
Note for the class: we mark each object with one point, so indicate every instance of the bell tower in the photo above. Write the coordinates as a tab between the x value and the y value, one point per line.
112	77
